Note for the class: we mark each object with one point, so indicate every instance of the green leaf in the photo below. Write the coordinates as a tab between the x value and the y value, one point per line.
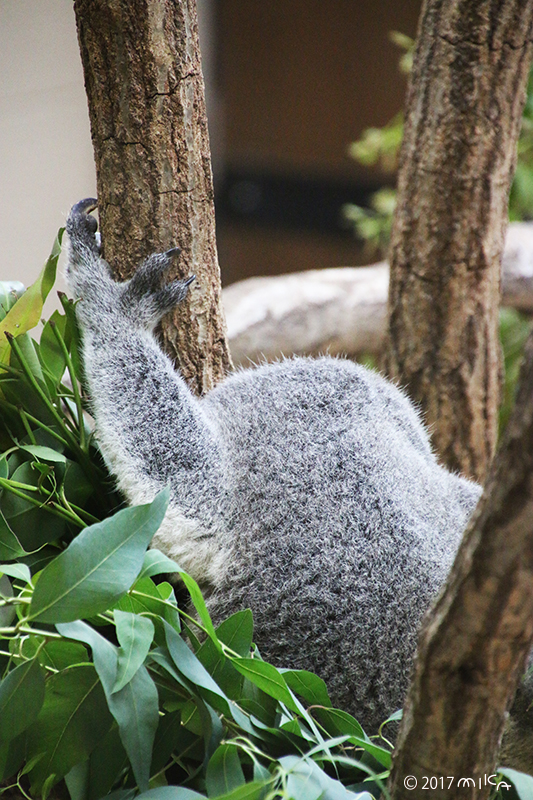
221	669
73	719
12	756
170	793
106	762
199	604
26	312
10	547
135	707
33	526
7	612
135	635
267	678
249	791
307	685
44	453
29	350
145	597
98	566
21	698
522	783
224	772
189	666
337	722
10	292
156	563
237	631
303	781
21	571
306	781
60	654
50	350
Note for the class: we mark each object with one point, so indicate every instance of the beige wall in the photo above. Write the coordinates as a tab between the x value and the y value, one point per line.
46	158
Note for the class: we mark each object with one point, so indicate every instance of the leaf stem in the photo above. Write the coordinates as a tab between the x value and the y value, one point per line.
51	507
74	381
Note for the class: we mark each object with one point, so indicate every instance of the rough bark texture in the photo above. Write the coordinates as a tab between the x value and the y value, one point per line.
341	311
475	642
463	116
146	105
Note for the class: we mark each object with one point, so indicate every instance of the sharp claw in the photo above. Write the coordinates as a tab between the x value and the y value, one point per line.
85	206
173	252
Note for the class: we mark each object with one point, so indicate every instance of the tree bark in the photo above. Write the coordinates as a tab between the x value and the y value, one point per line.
464	108
145	90
475	642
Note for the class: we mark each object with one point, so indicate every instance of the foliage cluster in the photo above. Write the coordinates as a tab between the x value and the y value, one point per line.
107	684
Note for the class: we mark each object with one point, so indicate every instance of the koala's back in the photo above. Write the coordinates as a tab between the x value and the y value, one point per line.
341	525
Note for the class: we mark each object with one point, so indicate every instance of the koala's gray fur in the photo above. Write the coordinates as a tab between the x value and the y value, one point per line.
305	490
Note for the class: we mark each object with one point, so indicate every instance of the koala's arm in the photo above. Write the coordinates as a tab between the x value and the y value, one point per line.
150	427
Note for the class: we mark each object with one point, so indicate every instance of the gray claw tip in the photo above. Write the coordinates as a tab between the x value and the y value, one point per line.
173	252
85	206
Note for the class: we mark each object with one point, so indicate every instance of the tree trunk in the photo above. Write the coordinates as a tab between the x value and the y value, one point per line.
145	90
464	107
475	642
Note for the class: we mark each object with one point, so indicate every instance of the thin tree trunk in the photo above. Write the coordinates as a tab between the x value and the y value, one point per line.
475	642
463	116
145	91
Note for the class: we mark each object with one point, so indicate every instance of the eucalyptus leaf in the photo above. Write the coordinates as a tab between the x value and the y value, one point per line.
21	571
237	631
224	771
248	791
98	566
307	685
21	698
523	784
60	654
50	351
73	719
189	666
306	781
44	453
26	312
156	563
267	678
135	635
10	547
106	762
147	597
7	612
135	707
170	793
200	606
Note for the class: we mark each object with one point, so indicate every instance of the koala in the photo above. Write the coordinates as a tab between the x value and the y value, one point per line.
305	490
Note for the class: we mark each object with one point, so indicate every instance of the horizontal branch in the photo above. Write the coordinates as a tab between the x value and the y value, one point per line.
341	310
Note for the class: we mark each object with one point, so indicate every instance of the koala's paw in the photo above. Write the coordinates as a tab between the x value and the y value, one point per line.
88	276
146	297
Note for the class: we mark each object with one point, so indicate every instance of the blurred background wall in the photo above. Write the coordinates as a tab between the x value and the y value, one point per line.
290	83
